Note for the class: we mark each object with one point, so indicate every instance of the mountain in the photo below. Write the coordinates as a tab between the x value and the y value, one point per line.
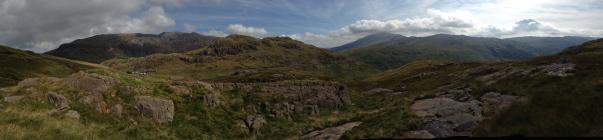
99	48
398	52
370	40
236	53
394	50
550	45
18	65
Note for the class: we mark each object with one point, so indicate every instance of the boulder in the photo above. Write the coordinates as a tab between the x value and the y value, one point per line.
29	82
72	114
212	100
12	99
253	123
160	110
92	83
332	133
96	101
452	114
117	109
58	100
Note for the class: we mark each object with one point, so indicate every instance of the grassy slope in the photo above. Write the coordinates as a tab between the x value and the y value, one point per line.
18	65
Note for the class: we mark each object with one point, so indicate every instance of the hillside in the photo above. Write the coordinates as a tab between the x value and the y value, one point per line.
390	51
236	53
492	99
549	45
99	48
18	65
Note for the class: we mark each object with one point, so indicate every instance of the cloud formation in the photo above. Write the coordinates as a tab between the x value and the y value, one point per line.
42	25
249	31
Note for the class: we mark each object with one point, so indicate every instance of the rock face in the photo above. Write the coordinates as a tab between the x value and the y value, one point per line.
117	109
332	133
287	98
456	113
160	110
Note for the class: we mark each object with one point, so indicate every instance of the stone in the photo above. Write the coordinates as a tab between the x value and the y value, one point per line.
29	82
117	109
558	69
332	133
58	100
418	134
72	114
180	90
212	100
12	99
96	101
160	110
254	123
92	83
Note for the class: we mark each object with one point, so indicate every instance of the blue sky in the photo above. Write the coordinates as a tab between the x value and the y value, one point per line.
42	25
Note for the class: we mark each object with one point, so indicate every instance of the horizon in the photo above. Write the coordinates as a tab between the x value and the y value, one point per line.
41	26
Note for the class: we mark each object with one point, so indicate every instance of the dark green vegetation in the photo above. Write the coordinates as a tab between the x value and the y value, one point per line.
388	51
99	48
17	65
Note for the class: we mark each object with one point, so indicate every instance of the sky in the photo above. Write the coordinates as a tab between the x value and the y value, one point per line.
42	25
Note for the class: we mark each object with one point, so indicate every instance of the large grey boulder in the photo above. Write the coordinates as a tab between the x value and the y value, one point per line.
92	83
160	110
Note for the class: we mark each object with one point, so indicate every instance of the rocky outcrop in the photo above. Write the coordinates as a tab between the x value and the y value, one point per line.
90	82
287	98
253	123
160	110
456	113
332	133
558	69
29	82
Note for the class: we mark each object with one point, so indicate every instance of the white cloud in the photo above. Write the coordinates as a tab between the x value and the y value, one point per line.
249	31
41	25
215	33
